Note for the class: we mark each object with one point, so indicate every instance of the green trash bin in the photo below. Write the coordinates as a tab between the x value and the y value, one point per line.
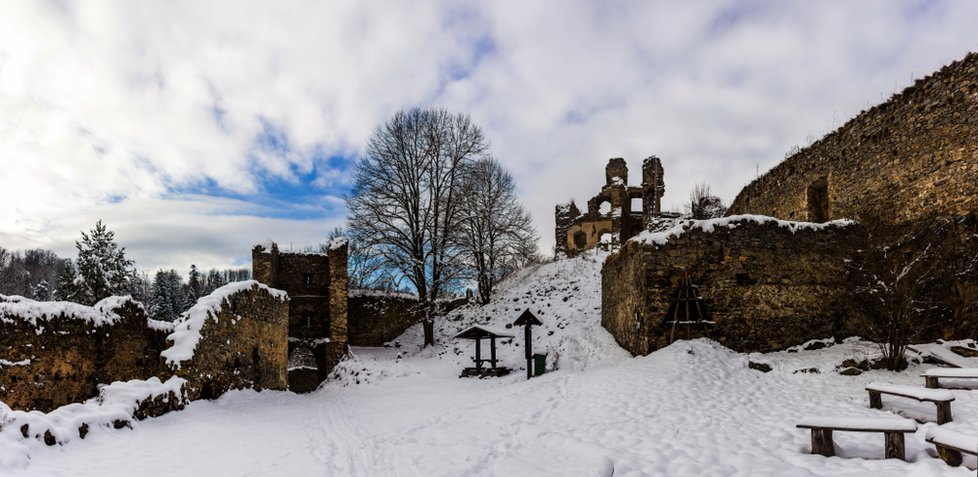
539	363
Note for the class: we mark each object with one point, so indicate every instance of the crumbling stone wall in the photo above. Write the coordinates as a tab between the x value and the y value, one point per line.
908	159
377	319
242	344
766	284
317	287
576	232
61	356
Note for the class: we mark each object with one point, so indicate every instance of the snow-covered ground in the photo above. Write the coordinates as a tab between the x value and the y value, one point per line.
693	408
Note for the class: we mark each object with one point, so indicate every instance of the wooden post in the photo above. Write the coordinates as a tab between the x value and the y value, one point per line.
492	351
822	442
478	355
895	446
875	400
949	455
943	412
528	339
931	382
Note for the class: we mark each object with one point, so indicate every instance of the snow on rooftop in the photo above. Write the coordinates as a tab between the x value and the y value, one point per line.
186	330
710	225
19	308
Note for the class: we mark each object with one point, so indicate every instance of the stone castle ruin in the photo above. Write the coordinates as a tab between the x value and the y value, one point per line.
767	284
615	214
316	284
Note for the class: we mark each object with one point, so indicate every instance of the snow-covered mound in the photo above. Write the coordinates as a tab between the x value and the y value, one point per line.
116	405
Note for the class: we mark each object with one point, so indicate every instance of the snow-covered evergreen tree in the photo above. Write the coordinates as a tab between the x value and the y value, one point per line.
66	289
41	291
194	286
168	298
103	269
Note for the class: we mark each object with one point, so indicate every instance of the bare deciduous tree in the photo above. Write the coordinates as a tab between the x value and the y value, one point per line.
497	234
917	281
405	204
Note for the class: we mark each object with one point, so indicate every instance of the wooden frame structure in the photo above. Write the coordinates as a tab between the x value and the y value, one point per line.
479	333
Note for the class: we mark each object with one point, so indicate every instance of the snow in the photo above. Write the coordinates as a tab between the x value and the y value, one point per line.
955	439
500	332
338	243
952	372
943	354
186	330
710	225
859	423
23	362
691	409
38	312
915	391
116	402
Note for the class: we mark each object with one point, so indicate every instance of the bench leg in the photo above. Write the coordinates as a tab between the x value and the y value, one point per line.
875	400
951	456
943	412
822	442
894	444
931	382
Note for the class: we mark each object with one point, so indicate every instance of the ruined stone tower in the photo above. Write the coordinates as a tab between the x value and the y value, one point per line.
611	217
317	288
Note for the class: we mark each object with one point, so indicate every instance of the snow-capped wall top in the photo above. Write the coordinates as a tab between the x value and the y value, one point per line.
19	308
681	227
338	243
186	330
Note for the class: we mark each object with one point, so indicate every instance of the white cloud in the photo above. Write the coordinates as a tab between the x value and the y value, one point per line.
102	101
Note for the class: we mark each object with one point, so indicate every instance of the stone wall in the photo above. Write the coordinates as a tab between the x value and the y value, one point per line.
378	319
910	158
56	353
766	284
235	338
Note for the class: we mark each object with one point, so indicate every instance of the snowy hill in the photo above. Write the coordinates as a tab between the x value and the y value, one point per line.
564	295
690	409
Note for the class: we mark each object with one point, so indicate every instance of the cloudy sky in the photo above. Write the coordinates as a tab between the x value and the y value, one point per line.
197	128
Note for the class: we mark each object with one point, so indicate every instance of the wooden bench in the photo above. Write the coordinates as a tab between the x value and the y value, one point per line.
942	399
931	376
892	429
950	445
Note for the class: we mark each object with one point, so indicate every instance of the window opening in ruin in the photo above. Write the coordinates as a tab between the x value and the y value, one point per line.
818	200
604	208
207	391
636	205
307	278
307	319
580	240
255	357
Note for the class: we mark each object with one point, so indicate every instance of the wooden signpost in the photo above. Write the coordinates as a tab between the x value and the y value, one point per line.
528	320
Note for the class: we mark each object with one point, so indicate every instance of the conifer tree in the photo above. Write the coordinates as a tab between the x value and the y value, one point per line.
41	291
103	269
168	298
67	289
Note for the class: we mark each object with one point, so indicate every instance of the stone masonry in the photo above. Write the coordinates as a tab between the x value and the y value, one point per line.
766	284
317	287
61	356
576	232
908	159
